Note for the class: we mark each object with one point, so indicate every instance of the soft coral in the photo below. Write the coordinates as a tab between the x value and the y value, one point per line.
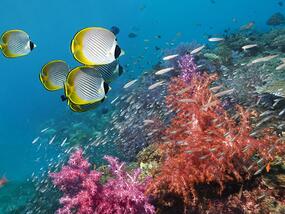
124	191
84	194
204	144
79	184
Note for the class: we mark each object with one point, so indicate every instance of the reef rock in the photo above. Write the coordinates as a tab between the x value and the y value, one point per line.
276	19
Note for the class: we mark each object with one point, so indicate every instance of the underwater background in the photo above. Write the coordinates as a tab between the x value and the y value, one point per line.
27	109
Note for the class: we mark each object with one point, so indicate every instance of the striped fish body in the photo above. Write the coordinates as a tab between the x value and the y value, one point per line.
109	72
95	46
84	85
53	75
15	43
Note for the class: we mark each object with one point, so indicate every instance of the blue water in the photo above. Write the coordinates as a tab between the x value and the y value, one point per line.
26	106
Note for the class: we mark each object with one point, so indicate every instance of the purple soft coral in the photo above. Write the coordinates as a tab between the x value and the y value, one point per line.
79	184
187	66
124	190
83	193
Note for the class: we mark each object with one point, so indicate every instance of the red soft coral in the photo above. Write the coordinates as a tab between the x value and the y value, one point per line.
205	145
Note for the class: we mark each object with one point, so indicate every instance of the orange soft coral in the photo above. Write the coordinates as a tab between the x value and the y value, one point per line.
204	145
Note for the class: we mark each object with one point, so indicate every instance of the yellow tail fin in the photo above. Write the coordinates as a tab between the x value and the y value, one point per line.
0	47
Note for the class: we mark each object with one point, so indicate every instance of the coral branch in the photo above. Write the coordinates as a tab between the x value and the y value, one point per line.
205	145
84	194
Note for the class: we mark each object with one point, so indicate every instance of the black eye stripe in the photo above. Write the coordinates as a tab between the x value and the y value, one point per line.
117	51
32	45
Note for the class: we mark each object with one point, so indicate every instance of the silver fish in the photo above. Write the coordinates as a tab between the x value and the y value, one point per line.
259	171
215	39
184	90
170	57
259	161
63	142
276	102
35	140
114	100
187	101
265	120
197	49
129	83
280	67
148	121
204	157
222	93
155	85
266	113
51	141
246	47
216	88
164	70
264	59
44	130
281	112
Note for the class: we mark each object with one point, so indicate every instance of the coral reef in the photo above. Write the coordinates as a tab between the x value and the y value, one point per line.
15	196
187	66
257	86
206	153
149	160
132	132
83	192
204	145
249	198
276	19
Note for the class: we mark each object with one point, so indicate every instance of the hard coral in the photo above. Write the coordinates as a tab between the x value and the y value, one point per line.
83	193
205	146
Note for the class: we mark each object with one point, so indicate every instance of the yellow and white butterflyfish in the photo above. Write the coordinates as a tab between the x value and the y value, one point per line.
95	46
16	43
84	85
53	75
110	71
82	108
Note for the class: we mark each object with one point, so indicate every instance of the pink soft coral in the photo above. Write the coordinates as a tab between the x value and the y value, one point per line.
124	190
79	184
84	194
